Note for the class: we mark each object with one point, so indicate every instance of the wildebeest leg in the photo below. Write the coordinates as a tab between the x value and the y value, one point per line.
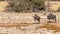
39	21
55	19
48	21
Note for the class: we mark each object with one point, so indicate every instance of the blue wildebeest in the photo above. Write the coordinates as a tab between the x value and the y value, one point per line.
51	17
36	19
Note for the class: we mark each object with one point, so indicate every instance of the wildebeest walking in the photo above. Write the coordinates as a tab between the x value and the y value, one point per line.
36	19
51	17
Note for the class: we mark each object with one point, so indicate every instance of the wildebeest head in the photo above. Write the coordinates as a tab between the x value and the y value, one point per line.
36	17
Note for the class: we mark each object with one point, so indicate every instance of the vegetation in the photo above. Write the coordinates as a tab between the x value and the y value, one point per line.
25	5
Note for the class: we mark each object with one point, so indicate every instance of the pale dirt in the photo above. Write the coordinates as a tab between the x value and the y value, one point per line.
25	18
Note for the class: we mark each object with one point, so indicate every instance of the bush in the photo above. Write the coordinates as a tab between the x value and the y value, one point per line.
23	5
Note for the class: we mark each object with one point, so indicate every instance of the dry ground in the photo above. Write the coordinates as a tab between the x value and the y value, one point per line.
13	27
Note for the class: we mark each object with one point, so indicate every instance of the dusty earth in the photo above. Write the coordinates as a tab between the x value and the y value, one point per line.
23	23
